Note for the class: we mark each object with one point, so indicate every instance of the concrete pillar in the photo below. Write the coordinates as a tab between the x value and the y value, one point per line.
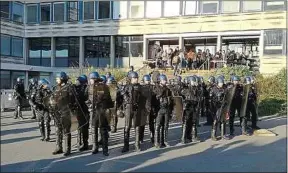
145	48
181	42
261	44
81	52
25	50
112	51
26	80
219	42
53	51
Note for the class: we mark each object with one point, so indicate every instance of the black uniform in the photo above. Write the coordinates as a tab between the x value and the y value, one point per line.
236	105
63	103
19	96
251	106
32	89
42	111
209	105
99	101
191	96
147	90
82	114
132	95
202	95
164	96
217	101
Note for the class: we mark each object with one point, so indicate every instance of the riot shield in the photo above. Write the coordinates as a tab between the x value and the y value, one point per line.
246	90
142	111
66	110
113	93
178	108
225	108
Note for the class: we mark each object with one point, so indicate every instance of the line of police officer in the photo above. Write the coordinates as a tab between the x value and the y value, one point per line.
154	102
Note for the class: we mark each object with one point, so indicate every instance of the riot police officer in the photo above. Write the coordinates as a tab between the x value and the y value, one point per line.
103	79
236	106
191	108
164	96
99	101
218	103
130	71
211	84
108	75
111	83
204	95
252	102
132	95
41	110
63	102
19	96
147	90
82	112
31	89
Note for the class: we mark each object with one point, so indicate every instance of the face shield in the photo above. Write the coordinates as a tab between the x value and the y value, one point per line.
92	81
220	85
58	80
134	80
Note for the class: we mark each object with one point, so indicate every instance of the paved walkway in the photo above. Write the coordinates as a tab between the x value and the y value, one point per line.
21	150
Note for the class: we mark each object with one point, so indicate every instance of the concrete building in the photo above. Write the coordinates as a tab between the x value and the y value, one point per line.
39	38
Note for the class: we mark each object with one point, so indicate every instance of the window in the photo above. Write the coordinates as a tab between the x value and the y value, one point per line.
5	80
45	12
190	7
120	10
230	6
274	42
89	10
40	52
97	48
153	9
171	8
72	11
136	9
104	10
67	51
131	46
18	12
5	45
4	5
274	5
17	47
209	7
252	6
31	12
59	12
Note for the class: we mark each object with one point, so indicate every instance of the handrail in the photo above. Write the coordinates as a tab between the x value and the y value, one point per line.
202	65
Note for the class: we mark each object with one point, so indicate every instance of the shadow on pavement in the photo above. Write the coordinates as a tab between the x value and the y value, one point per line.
16	131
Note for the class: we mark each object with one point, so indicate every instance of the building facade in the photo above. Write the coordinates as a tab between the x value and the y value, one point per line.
39	38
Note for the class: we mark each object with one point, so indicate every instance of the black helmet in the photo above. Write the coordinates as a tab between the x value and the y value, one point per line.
62	75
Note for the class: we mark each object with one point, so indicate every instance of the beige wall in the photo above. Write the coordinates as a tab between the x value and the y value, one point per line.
272	64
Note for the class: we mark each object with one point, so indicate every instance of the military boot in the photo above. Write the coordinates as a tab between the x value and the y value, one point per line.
104	133
184	133
214	131
157	137
137	138
59	148
20	113
79	138
195	133
126	141
85	137
223	131
67	144
47	132
165	137
95	143
231	125
33	113
141	134
244	127
42	131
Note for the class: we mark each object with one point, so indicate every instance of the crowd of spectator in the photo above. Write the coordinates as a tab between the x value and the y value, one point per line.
192	60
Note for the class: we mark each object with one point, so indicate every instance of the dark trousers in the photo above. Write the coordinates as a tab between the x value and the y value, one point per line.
151	123
44	124
63	128
83	128
162	125
234	107
18	108
251	108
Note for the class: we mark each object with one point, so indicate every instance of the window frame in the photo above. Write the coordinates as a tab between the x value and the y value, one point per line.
110	9
202	5
65	11
251	11
127	6
12	13
196	9
239	7
264	5
37	12
179	10
68	11
10	44
41	57
129	10
94	11
40	11
145	9
11	48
